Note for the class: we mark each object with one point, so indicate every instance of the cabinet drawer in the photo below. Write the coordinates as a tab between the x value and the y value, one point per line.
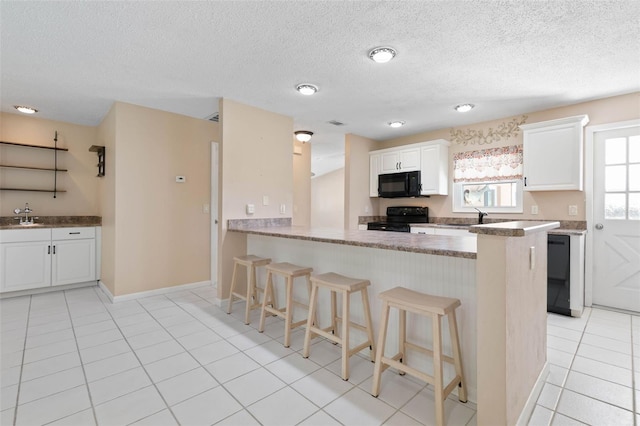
24	235
73	233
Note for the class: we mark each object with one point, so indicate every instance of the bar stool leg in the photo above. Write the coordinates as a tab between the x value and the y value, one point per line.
367	318
402	337
334	314
382	337
437	369
250	288
346	299
268	290
289	313
312	315
457	358
233	285
315	311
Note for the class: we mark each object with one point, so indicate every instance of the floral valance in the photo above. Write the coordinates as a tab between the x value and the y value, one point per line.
494	164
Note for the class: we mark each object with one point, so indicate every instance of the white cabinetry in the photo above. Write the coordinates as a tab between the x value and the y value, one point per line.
25	259
38	258
430	158
401	160
74	255
374	171
553	154
434	168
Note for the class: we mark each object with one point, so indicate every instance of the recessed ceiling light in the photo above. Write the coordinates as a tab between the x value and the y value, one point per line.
303	135
25	109
464	107
396	123
382	54
307	89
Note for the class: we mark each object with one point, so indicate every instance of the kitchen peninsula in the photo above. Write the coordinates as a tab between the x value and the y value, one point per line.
500	280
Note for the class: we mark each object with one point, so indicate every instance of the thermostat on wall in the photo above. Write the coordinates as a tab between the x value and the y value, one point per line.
181	179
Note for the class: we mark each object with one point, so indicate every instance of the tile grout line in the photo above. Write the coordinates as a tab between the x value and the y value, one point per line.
24	350
142	366
564	382
84	373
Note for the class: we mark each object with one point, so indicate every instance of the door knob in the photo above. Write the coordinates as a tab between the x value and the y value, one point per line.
599	226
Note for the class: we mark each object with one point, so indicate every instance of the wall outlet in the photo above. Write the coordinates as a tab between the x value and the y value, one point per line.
205	208
573	210
283	208
534	209
265	200
366	209
251	208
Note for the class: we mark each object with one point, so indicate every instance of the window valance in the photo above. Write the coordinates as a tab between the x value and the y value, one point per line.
494	164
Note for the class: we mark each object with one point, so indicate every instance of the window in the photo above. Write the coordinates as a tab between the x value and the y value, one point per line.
489	180
622	178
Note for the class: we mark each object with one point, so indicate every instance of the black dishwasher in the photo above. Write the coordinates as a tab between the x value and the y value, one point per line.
558	251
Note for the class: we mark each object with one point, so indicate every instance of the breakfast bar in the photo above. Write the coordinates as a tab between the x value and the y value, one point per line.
500	279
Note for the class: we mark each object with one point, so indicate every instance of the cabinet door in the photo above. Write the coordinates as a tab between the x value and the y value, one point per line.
390	162
434	170
410	160
374	171
25	265
553	155
74	261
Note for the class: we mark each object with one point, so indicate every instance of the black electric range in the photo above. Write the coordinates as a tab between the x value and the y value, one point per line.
399	219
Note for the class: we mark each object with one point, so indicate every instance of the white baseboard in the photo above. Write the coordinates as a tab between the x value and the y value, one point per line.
530	405
139	295
31	291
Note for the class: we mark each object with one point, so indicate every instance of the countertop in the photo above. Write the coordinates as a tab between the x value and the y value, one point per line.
9	222
442	245
562	231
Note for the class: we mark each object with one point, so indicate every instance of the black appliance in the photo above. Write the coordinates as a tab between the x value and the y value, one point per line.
558	264
399	218
404	184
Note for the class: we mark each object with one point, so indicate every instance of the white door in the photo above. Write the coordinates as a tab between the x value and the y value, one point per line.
616	218
74	261
214	213
25	265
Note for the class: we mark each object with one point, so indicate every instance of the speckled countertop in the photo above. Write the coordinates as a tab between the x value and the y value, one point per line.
442	245
513	229
10	222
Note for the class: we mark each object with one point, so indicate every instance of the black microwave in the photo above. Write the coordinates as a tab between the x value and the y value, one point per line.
395	185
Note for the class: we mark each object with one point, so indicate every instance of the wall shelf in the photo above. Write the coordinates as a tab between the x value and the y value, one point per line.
26	145
32	190
5	166
53	169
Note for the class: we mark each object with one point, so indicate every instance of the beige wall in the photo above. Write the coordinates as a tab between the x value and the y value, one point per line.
327	200
256	160
155	228
107	199
302	184
80	181
356	180
551	204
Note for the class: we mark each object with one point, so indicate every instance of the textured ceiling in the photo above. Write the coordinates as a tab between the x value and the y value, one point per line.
72	60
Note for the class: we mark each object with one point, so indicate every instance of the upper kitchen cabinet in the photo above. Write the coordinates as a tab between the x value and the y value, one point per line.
553	154
434	168
430	158
374	171
400	160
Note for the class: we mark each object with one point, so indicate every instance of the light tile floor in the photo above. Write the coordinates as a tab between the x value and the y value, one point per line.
73	358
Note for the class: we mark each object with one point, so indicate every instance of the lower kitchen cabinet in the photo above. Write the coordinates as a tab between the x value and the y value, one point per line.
38	258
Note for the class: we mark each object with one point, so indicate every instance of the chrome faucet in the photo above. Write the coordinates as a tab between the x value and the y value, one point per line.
481	215
26	211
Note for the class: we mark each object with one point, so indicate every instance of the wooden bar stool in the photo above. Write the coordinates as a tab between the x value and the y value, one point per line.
251	262
289	272
434	307
345	286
